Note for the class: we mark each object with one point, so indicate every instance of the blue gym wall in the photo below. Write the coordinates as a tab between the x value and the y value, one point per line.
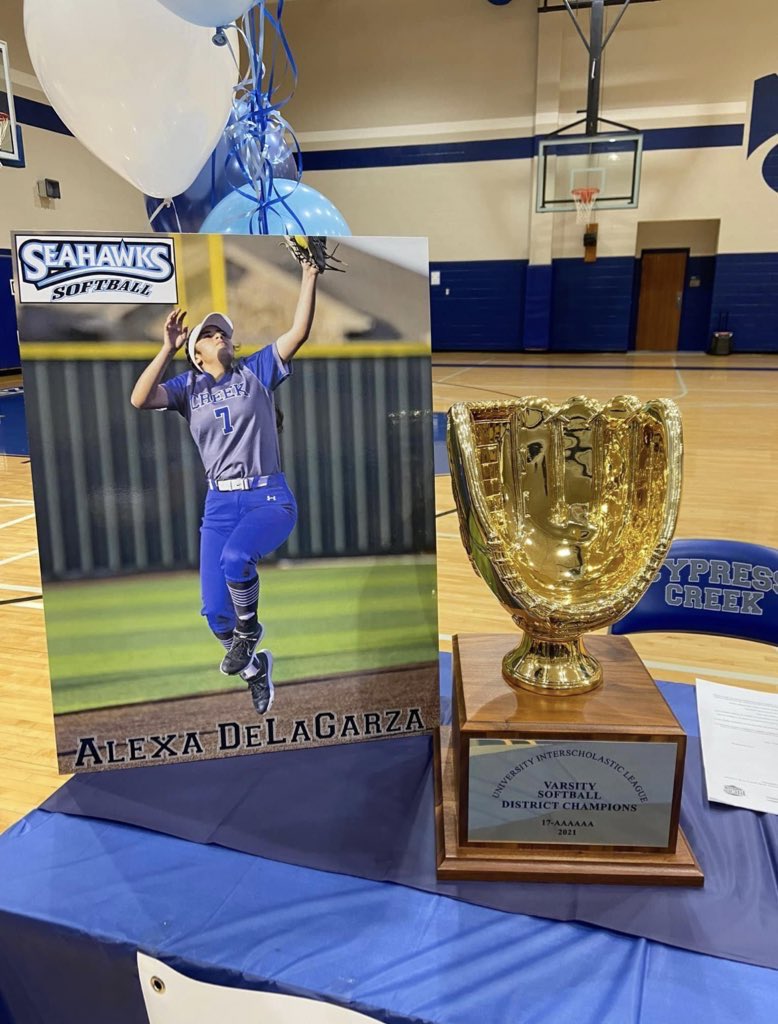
695	327
592	306
746	287
478	305
9	346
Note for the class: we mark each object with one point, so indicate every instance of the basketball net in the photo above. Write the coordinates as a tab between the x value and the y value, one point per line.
5	127
584	199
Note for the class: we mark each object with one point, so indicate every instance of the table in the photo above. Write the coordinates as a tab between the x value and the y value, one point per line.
79	896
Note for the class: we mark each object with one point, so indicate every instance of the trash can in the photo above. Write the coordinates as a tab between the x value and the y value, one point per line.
720	343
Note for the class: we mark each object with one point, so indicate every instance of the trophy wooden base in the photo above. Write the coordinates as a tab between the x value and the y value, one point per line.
627	708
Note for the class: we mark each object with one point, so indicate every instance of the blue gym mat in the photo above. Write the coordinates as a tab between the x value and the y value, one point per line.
13	426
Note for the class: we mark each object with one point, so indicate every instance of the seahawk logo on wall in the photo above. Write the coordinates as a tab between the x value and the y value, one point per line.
96	268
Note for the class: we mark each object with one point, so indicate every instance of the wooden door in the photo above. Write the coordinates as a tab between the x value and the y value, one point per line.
662	279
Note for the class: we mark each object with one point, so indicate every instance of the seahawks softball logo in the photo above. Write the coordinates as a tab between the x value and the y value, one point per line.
96	269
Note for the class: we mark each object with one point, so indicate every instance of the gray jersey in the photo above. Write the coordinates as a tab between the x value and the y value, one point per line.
233	420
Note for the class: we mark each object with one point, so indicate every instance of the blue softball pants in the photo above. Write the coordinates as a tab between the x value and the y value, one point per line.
238	528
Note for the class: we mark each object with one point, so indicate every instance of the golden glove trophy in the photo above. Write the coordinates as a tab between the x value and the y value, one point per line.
564	763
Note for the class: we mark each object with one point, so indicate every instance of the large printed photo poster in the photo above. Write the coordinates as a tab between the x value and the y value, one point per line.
233	474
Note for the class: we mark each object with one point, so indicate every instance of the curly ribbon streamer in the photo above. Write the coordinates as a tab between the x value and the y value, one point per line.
257	103
166	204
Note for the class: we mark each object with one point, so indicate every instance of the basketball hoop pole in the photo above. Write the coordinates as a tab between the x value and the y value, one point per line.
595	44
595	66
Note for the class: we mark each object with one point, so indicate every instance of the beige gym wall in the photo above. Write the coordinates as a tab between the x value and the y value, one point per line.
403	73
701	236
389	64
471	211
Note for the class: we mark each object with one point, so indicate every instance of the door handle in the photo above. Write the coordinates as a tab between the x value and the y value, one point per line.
678	299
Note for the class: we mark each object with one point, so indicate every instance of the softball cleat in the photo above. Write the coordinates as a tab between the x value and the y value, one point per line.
259	676
242	650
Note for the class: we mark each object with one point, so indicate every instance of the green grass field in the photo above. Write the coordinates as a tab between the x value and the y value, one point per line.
135	639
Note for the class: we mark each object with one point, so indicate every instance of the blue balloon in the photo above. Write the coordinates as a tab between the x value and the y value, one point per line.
220	175
193	206
304	211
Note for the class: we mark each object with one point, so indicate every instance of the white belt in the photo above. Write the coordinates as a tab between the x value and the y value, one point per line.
246	483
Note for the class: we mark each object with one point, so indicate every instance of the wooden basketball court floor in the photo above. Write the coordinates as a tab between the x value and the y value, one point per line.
730	413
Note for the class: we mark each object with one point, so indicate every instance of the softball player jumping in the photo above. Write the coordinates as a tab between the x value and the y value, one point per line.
249	509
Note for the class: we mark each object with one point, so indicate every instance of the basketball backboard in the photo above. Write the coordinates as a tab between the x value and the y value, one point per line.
609	162
9	144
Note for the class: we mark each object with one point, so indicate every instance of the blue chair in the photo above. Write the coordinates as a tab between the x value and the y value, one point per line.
718	587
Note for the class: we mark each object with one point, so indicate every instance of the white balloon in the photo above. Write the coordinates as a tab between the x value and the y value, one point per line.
147	93
211	13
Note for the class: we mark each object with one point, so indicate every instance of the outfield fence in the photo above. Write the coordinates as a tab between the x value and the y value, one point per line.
119	490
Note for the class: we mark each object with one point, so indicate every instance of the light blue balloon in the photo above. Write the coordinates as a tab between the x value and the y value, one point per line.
303	212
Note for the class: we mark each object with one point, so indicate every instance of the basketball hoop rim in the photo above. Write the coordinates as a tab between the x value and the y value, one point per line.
584	194
585	198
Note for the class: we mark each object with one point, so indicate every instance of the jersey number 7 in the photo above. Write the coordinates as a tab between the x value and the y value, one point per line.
224	412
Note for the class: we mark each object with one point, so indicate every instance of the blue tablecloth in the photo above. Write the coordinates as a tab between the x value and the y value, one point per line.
79	896
367	810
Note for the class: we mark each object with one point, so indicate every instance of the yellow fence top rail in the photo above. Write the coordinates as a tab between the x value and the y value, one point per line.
90	350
